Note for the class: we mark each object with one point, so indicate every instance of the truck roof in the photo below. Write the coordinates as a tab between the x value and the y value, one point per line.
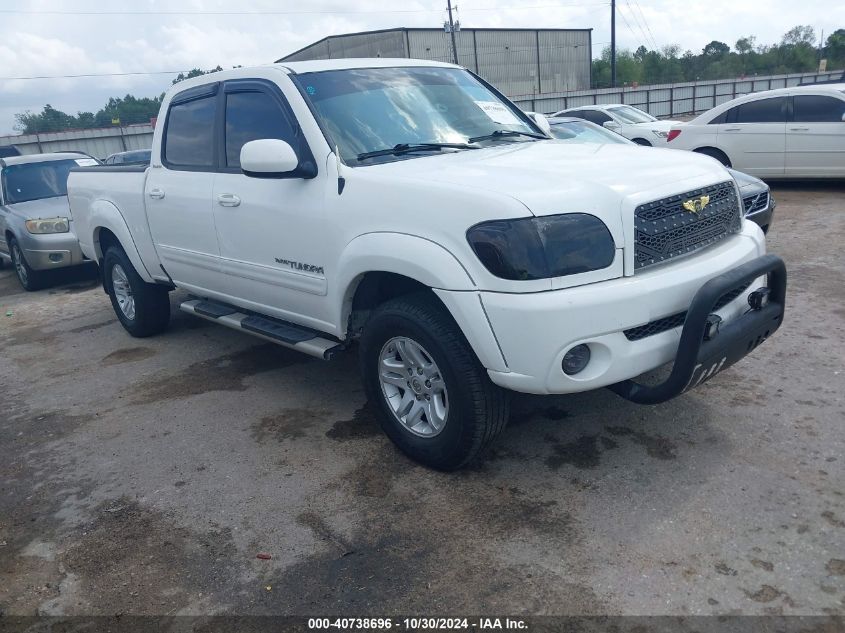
357	62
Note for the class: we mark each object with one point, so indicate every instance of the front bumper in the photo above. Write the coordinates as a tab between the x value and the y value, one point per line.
51	250
533	331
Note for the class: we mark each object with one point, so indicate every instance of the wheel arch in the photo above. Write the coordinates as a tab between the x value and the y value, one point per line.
706	149
109	227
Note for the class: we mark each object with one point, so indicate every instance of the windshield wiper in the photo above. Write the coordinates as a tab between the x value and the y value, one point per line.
406	148
505	133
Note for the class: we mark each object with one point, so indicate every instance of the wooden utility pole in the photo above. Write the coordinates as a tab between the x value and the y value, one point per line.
612	43
452	32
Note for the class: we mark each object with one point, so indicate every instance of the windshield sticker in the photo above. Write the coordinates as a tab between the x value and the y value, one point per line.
85	162
498	112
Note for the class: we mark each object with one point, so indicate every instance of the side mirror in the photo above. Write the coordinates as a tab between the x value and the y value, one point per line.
541	121
613	126
268	158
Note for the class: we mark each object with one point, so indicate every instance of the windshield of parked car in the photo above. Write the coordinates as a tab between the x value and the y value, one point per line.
34	181
631	115
369	109
583	132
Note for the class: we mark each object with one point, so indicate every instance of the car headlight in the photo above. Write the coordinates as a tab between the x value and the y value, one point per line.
660	133
50	225
544	247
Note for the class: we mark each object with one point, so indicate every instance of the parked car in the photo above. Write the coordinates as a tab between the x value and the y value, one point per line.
36	225
630	122
9	150
134	157
757	202
786	133
407	206
574	130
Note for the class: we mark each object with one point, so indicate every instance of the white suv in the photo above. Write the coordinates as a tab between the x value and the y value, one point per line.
789	133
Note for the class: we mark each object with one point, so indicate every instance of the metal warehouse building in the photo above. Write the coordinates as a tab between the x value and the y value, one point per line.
516	61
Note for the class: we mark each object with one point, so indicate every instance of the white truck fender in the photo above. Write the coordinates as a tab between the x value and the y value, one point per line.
104	215
430	264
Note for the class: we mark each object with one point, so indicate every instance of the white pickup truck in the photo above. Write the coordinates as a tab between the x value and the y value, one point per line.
411	208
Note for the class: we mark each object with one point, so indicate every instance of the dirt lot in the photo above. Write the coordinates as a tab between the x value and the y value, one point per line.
144	476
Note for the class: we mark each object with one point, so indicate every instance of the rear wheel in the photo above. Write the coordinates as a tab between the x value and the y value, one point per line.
142	308
718	154
433	396
30	279
642	141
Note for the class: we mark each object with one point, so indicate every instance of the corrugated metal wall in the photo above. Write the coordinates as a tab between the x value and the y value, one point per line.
517	62
101	142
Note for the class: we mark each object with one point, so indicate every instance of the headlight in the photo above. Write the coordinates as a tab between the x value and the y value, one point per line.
50	225
660	133
540	248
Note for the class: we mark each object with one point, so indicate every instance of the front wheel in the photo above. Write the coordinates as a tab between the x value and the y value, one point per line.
433	396
142	308
29	279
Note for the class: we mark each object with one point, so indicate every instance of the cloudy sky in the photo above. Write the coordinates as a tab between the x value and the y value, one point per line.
52	37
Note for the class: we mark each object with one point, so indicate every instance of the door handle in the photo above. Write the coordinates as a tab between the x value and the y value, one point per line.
228	200
733	129
799	129
158	194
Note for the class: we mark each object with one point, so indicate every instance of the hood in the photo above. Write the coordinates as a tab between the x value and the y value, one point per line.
557	177
748	184
44	208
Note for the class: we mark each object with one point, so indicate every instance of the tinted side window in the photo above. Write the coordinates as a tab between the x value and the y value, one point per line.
595	116
251	116
818	109
189	138
762	111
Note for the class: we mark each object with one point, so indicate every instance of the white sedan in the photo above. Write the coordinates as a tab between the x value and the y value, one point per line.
630	122
786	133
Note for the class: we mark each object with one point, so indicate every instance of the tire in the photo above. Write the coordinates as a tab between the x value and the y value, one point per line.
718	154
142	308
642	141
476	410
29	279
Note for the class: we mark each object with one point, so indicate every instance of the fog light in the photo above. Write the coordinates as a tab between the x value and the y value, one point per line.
56	257
576	359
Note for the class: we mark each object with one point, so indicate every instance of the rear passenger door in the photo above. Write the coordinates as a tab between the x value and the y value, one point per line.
754	136
177	193
815	137
270	230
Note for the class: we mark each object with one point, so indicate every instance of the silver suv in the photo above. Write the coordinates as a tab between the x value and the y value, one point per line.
36	226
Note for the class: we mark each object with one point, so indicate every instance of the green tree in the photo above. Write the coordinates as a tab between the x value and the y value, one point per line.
834	47
716	49
196	72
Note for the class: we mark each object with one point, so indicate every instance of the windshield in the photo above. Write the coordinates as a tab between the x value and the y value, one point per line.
33	181
631	115
370	109
583	132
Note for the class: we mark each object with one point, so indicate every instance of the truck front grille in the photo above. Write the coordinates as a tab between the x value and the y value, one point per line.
665	229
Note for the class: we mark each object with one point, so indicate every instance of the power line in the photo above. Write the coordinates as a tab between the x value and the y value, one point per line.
637	22
301	12
153	72
645	21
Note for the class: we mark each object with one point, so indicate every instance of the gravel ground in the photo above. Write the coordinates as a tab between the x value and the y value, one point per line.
144	476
